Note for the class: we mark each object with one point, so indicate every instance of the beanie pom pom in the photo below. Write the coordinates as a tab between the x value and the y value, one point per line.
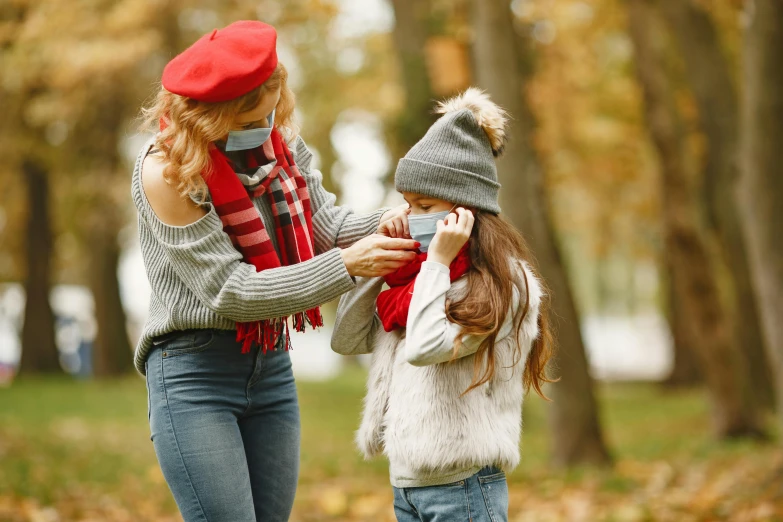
489	116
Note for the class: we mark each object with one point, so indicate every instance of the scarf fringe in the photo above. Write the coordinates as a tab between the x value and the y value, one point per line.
266	334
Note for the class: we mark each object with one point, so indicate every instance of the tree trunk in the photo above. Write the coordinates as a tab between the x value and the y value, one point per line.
39	350
500	65
685	370
112	353
694	281
708	74
99	133
762	180
410	36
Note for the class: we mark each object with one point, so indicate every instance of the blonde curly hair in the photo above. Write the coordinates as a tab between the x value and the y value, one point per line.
193	126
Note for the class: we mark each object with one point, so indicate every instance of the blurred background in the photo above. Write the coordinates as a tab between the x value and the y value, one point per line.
644	169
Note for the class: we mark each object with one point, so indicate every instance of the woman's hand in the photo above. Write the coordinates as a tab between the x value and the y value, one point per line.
394	223
453	232
377	255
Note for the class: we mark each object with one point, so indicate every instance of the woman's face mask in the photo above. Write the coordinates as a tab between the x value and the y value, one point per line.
251	138
424	226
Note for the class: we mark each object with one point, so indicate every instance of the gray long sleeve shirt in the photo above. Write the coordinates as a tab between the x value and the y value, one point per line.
199	280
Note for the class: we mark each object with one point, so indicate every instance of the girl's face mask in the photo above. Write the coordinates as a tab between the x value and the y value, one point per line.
251	138
424	226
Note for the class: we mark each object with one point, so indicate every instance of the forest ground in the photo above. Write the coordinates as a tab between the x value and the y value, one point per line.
80	451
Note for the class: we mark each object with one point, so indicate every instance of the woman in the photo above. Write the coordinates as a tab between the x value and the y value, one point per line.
237	234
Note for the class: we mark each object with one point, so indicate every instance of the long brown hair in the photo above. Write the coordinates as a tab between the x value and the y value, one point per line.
494	243
194	125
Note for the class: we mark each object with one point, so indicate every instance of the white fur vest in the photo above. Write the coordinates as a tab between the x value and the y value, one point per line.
417	415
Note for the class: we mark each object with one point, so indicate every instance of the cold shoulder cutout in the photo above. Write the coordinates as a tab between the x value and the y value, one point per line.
169	206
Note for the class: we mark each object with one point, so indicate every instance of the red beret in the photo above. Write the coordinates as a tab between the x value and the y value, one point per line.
224	64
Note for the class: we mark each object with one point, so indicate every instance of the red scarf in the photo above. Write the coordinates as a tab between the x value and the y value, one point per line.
393	303
242	222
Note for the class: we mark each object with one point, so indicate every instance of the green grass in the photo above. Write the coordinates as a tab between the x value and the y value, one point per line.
63	441
57	434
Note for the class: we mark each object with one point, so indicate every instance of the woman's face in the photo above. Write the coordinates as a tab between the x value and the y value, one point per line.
421	204
257	117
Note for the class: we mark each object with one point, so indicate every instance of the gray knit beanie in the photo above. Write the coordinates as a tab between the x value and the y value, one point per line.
455	160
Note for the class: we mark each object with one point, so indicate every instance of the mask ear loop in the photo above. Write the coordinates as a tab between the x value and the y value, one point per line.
452	208
271	118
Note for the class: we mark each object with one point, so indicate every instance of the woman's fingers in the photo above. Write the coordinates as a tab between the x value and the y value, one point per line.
394	255
386	268
368	255
392	265
396	243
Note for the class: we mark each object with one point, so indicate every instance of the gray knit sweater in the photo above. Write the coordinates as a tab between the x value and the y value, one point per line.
198	278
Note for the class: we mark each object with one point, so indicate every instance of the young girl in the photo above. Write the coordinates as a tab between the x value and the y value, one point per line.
458	337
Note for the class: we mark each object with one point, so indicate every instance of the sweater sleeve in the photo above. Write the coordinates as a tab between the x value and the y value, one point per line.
430	335
357	323
333	226
207	263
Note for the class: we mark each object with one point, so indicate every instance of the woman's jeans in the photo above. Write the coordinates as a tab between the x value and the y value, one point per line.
225	426
480	498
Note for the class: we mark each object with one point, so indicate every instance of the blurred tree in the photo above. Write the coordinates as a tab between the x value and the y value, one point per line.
708	73
12	189
601	182
500	65
686	370
27	152
330	71
39	350
762	157
95	149
322	84
693	275
72	59
411	31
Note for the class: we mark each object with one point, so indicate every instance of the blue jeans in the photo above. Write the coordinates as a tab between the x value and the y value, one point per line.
225	426
480	498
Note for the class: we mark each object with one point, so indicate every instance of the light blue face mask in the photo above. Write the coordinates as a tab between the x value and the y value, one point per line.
424	226
251	138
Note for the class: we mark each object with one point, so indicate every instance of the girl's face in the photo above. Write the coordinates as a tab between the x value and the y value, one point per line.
421	204
257	117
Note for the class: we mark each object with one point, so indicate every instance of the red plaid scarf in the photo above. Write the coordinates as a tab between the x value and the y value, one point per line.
290	201
393	304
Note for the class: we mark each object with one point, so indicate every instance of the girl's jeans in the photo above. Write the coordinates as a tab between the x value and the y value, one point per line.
225	426
480	498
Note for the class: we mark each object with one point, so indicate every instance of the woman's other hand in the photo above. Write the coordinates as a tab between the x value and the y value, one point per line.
453	232
394	223
378	255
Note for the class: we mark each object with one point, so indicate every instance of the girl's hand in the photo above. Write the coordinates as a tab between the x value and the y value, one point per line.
453	232
394	223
